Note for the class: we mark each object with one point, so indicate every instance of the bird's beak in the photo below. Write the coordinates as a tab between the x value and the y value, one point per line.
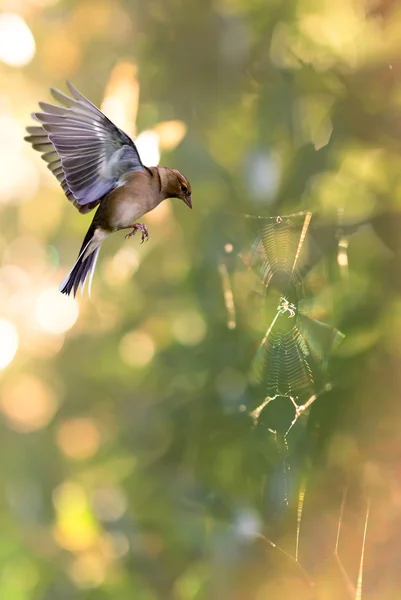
187	200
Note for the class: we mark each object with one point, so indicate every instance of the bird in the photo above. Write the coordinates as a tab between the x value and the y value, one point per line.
98	165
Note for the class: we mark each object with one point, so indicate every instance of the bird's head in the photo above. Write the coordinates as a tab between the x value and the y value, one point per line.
178	186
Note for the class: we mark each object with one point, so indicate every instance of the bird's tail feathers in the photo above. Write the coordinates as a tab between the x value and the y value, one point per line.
84	265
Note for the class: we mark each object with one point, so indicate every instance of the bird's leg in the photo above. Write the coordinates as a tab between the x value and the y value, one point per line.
141	227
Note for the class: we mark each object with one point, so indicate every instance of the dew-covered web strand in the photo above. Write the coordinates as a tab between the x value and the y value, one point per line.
358	591
300	507
307	220
354	592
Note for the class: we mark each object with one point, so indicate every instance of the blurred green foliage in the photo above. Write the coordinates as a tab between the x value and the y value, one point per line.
130	464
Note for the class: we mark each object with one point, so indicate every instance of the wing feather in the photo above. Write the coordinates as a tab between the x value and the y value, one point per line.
84	150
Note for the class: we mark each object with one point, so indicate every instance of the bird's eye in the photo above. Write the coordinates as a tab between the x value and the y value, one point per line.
184	188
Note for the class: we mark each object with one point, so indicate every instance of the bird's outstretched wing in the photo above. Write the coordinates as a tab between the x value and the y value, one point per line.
85	151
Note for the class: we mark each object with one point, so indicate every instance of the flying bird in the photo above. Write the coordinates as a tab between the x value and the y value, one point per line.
98	165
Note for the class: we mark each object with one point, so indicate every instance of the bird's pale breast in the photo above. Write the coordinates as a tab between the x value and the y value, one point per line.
129	202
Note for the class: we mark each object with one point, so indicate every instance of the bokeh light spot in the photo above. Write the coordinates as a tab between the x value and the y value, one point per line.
230	384
116	545
147	143
69	495
137	348
55	312
189	328
120	268
27	403
170	133
121	99
17	44
8	342
20	574
16	185
109	503
76	528
78	438
60	52
88	571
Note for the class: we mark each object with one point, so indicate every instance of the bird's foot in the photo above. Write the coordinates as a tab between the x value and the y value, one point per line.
142	228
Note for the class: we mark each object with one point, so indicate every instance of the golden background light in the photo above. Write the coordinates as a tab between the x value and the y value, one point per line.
126	416
17	44
8	342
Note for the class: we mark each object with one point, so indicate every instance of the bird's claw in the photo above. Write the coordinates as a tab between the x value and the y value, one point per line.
142	228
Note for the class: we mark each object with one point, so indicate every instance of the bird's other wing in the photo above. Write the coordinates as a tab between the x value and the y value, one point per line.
85	151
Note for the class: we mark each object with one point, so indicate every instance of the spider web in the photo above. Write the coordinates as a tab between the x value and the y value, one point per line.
292	358
291	362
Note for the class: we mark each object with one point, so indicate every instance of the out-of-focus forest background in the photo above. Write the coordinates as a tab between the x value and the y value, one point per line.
131	465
